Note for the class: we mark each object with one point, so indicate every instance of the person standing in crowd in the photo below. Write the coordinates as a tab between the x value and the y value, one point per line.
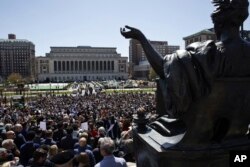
68	142
86	136
112	128
8	127
38	138
20	139
48	138
107	147
53	150
97	151
101	132
11	135
40	159
59	133
126	145
64	159
11	147
28	148
82	148
83	160
75	132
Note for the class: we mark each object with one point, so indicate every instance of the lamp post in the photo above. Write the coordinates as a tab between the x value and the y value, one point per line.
50	88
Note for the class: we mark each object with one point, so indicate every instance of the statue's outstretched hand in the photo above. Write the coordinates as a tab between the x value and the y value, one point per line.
131	33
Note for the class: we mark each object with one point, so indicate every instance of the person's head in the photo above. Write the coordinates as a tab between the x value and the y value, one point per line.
45	147
84	134
128	146
229	13
60	125
101	131
107	146
63	159
10	134
18	128
2	127
11	163
83	160
75	127
99	141
5	156
69	130
30	135
53	150
38	132
40	155
49	134
8	127
126	123
8	144
82	141
66	118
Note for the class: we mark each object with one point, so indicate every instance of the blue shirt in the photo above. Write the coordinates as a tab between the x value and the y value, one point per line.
112	161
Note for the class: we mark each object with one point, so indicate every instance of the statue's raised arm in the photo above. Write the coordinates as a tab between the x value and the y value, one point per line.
154	58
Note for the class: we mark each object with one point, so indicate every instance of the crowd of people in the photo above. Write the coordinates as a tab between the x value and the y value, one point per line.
92	131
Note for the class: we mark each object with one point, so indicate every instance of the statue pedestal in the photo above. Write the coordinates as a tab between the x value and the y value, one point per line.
153	150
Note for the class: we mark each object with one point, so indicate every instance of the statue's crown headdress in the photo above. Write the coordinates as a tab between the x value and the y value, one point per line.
227	9
227	4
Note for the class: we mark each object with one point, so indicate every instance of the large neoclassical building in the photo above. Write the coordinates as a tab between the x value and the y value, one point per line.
81	63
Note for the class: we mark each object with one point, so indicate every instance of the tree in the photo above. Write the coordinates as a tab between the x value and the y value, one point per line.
152	74
29	79
14	78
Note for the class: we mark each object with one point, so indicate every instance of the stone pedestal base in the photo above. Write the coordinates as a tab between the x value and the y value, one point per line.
153	150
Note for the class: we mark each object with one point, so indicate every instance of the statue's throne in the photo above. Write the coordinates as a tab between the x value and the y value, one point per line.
204	136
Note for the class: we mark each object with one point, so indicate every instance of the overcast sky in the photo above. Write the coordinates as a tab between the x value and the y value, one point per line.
97	22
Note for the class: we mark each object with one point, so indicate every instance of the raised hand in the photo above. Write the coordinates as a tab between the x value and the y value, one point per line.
131	33
154	58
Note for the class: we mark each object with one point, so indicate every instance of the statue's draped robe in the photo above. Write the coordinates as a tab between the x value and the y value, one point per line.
188	75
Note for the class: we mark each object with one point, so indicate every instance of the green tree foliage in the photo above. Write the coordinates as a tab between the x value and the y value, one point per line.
152	74
15	78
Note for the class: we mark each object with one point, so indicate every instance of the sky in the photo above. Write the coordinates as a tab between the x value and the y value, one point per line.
97	23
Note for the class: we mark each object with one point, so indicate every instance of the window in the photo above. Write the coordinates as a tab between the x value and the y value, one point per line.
93	65
88	65
104	65
100	65
63	66
59	65
76	65
67	65
84	65
108	65
71	65
55	65
96	64
80	65
112	65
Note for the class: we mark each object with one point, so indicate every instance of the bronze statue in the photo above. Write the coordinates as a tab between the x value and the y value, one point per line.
189	75
203	94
